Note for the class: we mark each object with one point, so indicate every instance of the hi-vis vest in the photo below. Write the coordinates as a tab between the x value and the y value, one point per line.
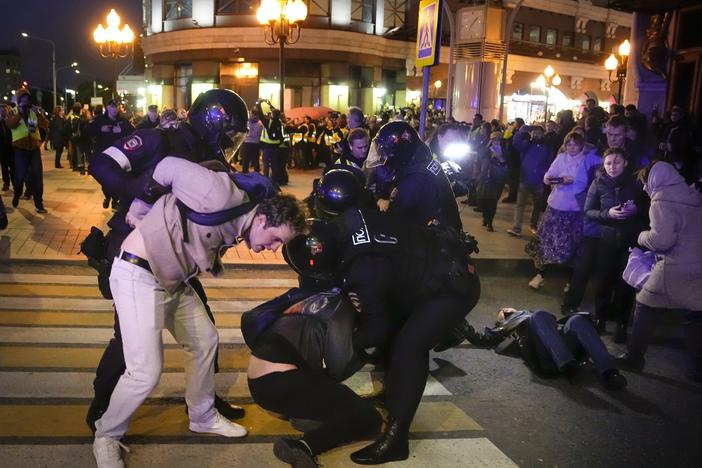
22	131
266	137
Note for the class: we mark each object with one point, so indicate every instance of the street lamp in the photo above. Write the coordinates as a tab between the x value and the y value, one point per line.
546	80
282	22
53	59
112	41
612	64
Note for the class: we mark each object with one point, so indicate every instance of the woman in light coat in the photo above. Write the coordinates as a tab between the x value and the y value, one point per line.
676	280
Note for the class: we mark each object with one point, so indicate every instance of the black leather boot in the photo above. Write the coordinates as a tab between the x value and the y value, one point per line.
391	446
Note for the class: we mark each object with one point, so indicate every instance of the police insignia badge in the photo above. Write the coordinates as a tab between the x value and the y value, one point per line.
133	143
434	167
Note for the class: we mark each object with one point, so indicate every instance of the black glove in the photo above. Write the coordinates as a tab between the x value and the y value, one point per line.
471	243
150	189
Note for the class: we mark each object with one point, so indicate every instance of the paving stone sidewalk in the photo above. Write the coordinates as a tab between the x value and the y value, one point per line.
74	204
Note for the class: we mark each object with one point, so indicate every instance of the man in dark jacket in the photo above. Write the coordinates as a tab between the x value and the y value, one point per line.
535	159
109	127
151	119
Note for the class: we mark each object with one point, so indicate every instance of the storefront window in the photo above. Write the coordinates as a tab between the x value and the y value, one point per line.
518	32
551	36
567	40
318	7
177	9
534	33
597	44
585	43
237	7
362	10
395	12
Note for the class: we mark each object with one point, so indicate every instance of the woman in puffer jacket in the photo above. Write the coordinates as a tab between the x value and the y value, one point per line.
675	283
615	213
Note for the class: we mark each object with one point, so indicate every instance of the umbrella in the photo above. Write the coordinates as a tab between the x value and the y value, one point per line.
315	113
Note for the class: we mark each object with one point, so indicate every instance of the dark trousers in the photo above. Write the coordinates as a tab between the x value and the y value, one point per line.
58	154
428	323
489	208
269	153
280	161
603	263
513	177
344	416
579	336
644	325
526	192
7	165
28	166
112	365
250	156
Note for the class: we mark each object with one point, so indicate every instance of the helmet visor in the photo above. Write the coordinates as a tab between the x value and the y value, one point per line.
236	138
374	158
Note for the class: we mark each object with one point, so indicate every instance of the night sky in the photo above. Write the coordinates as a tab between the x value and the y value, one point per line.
70	24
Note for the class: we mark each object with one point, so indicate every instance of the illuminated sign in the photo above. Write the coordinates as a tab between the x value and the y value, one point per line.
428	29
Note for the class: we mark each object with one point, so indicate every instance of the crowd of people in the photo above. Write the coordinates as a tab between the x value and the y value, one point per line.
385	265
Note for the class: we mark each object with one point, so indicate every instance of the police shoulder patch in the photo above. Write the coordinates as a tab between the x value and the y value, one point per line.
134	143
434	167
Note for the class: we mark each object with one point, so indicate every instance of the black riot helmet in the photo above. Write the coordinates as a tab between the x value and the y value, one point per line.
394	145
218	117
315	254
338	190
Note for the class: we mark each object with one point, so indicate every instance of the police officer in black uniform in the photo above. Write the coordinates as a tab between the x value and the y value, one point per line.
401	166
217	120
413	285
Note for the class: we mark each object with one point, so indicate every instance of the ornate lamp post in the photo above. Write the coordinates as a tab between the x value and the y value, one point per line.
112	41
282	22
546	80
612	64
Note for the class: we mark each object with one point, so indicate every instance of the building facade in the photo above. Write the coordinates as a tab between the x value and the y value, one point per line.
10	73
361	52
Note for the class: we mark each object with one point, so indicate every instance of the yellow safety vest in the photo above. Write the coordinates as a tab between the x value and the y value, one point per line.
22	131
266	138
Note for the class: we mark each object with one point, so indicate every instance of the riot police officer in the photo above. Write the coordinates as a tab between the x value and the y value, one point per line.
412	284
217	120
402	166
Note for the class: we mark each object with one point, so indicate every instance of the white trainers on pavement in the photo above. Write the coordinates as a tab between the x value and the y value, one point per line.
537	281
219	425
107	452
514	233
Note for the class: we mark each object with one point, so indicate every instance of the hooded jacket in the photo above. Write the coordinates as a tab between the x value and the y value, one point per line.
676	235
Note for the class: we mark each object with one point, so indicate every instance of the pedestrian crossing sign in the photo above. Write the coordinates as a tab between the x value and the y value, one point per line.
428	30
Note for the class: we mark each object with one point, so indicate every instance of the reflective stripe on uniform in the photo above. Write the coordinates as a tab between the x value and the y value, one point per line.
119	157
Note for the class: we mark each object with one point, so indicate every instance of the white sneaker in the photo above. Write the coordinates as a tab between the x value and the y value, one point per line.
107	452
514	233
219	425
537	281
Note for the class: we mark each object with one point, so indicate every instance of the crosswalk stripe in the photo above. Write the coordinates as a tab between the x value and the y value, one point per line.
82	358
88	318
476	452
64	335
159	420
72	291
271	282
63	385
62	303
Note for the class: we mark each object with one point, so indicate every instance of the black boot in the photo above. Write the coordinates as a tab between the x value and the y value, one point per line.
294	452
391	446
